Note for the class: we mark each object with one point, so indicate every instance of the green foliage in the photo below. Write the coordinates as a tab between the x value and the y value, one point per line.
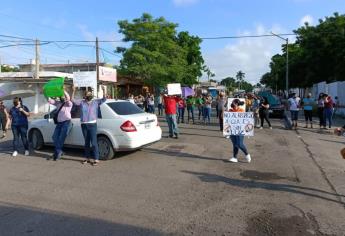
5	68
158	54
317	55
231	84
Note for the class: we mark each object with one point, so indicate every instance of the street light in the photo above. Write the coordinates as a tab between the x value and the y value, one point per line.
287	61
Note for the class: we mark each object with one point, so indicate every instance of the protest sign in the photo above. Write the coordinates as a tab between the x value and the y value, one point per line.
174	89
54	88
241	99
186	91
107	74
238	123
85	79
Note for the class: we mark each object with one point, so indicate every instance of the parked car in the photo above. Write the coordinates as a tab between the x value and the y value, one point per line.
121	126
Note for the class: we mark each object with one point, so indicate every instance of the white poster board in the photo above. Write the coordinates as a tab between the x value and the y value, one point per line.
241	99
238	123
85	79
107	74
174	89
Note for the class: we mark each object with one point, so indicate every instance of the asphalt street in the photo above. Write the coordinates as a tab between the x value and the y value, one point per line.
295	185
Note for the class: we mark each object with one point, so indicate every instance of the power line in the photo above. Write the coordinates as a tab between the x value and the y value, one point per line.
246	36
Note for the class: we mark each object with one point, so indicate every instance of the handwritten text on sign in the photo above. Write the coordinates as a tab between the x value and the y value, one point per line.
238	123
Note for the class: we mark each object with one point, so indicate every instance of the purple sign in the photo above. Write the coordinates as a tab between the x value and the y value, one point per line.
186	91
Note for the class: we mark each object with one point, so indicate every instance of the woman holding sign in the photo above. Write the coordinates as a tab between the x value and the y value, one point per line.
238	140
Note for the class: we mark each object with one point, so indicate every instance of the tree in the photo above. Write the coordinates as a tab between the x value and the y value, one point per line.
240	78
6	68
229	83
157	54
317	55
208	72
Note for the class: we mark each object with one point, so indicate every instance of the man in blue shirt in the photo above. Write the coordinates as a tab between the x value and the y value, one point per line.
308	110
19	116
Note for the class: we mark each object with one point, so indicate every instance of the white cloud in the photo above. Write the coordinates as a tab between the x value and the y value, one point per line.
184	2
250	55
306	19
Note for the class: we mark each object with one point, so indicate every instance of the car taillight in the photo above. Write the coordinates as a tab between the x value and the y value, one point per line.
128	127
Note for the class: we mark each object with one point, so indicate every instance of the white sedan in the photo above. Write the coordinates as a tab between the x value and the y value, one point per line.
121	126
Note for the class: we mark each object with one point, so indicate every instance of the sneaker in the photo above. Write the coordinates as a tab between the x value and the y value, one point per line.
261	127
26	153
248	158
233	160
176	136
271	127
15	153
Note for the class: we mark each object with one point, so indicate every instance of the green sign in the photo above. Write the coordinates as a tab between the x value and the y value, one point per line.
54	88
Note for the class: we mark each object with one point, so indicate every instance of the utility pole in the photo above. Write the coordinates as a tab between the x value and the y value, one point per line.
97	66
287	62
37	59
37	71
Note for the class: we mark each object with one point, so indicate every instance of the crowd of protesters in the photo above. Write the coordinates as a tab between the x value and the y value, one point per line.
197	107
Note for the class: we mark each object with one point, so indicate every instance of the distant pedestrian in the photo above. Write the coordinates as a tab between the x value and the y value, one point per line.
238	140
329	105
256	109
321	111
131	98
89	113
140	101
264	112
4	118
207	109
181	105
151	103
200	104
308	110
190	108
19	124
63	126
160	105
170	104
221	103
294	109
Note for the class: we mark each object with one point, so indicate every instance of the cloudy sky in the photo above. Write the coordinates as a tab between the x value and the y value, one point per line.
84	20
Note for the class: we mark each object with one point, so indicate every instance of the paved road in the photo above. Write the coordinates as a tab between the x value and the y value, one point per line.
294	186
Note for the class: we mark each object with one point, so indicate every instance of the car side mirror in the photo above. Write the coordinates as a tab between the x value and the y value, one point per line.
46	116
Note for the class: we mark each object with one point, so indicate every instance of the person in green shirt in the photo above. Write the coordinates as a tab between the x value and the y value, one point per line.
199	101
190	107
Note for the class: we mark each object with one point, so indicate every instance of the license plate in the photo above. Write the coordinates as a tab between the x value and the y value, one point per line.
147	125
270	111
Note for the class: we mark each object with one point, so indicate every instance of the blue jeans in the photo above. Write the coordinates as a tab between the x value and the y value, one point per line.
180	115
207	114
190	110
20	130
294	115
90	136
171	119
59	136
201	111
237	143
151	109
160	109
328	116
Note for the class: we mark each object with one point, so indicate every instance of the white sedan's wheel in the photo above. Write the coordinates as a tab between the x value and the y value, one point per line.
36	139
105	147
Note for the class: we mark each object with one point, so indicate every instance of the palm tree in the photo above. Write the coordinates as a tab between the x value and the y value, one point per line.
240	78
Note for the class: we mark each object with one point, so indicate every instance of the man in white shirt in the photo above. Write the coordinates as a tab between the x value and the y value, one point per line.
294	104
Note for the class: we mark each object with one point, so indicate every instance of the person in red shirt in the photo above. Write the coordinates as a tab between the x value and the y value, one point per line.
181	108
170	104
328	110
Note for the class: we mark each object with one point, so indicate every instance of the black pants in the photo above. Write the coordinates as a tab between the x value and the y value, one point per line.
264	116
308	115
3	122
321	113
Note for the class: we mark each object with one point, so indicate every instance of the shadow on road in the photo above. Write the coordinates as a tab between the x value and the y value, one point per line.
181	154
212	178
18	220
332	141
